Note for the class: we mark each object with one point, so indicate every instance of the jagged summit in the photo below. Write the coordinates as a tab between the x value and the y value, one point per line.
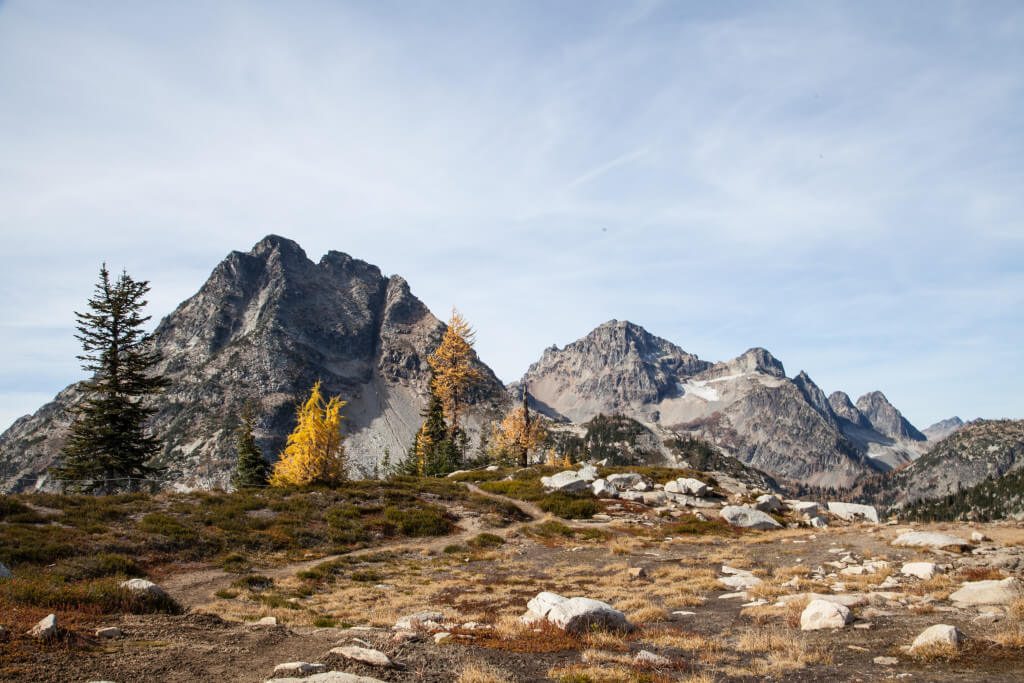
886	420
266	325
943	428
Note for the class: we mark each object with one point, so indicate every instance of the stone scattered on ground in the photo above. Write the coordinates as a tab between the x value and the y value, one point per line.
328	677
568	481
575	615
748	518
364	655
5	573
939	634
991	592
602	489
45	629
299	668
144	586
267	621
922	570
979	537
886	661
442	636
687	486
852	512
821	614
930	539
768	503
737	578
637	573
421	621
649	658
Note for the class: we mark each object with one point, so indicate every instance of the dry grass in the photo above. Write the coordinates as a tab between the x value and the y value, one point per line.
1012	633
625	545
980	574
939	587
681	640
936	651
578	673
788	613
594	656
480	672
785	652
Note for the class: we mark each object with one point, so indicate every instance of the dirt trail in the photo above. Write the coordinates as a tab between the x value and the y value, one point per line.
197	587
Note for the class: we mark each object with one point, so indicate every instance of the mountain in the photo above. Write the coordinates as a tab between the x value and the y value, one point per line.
746	406
265	326
886	420
980	450
943	428
885	442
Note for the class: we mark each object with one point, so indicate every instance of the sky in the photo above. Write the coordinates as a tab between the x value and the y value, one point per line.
840	183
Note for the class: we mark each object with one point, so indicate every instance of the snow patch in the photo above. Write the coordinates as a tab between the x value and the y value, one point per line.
700	389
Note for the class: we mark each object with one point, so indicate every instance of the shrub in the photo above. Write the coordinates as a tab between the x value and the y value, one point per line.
236	563
367	576
569	507
416	522
104	594
253	582
485	540
96	566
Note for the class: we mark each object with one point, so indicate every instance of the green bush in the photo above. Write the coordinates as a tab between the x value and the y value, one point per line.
236	563
569	507
253	582
104	595
417	522
96	566
485	541
367	576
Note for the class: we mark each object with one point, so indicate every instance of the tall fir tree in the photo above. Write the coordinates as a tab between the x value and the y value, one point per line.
251	469
454	371
109	447
433	452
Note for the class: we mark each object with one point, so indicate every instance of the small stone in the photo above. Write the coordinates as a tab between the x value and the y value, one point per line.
144	586
108	632
748	518
886	661
768	503
648	658
979	537
922	570
939	634
5	573
817	522
820	614
267	621
363	654
442	637
419	621
300	668
863	625
988	592
45	629
637	573
404	636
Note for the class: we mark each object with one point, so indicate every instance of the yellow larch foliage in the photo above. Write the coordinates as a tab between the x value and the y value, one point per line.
454	372
314	453
518	435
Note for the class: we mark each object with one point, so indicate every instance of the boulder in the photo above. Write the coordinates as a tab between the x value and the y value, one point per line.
587	473
803	507
818	522
267	621
45	629
566	482
930	539
328	677
421	621
922	570
363	655
655	498
5	573
992	592
144	586
648	658
979	537
637	573
687	486
821	614
853	511
544	603
580	615
602	489
748	518
739	581
939	634
768	503
625	481
299	668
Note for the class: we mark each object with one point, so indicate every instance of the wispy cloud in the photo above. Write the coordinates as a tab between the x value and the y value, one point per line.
839	182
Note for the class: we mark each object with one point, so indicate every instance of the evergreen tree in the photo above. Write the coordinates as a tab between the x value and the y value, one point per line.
251	470
454	371
314	453
433	452
109	445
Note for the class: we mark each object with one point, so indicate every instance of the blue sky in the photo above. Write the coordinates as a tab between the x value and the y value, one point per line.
840	183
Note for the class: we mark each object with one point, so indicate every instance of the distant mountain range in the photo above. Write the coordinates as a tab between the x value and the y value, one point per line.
269	322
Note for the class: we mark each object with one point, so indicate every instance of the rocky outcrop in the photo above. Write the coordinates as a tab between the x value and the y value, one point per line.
943	428
263	328
885	419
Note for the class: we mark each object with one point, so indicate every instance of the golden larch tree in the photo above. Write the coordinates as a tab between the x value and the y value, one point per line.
518	434
314	453
453	368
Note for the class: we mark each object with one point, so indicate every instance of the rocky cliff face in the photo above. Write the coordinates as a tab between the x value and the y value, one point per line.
943	428
977	451
886	420
262	329
746	406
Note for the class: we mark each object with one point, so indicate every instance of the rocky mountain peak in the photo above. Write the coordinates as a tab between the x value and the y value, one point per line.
815	396
886	419
756	359
943	428
843	407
